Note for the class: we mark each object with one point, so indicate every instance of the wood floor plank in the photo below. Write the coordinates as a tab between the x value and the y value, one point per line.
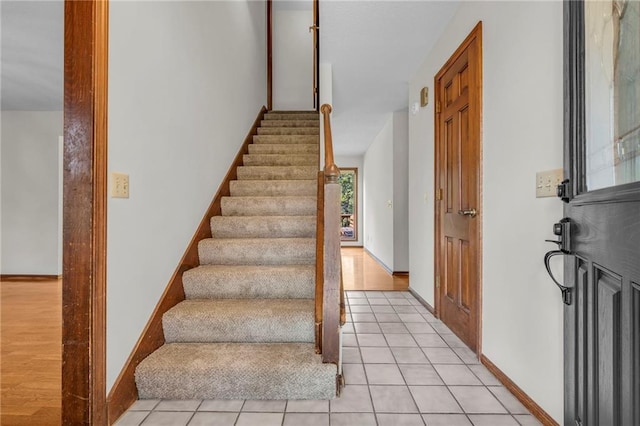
360	271
30	352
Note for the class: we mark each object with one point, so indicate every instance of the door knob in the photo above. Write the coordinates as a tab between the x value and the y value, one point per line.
468	212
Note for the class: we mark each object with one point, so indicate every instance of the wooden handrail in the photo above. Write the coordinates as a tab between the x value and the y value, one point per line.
330	312
331	171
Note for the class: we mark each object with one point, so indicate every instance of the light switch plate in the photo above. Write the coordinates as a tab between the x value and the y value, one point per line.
547	182
119	185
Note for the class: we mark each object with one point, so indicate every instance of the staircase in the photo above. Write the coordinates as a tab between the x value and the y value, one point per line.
246	328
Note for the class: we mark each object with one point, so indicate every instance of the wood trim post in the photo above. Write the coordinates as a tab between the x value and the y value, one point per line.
331	272
269	55
84	213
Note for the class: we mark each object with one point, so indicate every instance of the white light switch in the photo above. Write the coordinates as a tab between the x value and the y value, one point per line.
119	185
547	182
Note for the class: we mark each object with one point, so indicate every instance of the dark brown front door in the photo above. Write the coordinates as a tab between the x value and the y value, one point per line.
602	166
458	103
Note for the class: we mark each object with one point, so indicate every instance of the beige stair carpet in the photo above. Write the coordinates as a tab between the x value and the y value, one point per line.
246	328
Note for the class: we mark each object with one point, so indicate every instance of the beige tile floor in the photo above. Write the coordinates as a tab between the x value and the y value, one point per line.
402	367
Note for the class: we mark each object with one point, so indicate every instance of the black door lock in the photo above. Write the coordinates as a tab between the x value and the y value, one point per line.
563	191
563	230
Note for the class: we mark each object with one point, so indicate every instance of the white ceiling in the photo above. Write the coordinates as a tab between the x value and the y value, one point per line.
32	55
375	48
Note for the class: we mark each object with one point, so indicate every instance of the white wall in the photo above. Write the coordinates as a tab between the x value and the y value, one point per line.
378	196
31	197
186	81
400	191
292	60
357	162
522	134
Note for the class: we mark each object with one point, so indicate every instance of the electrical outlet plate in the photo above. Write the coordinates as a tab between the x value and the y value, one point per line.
547	183
119	185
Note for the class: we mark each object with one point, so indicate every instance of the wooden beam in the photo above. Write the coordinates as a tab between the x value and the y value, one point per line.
84	213
269	55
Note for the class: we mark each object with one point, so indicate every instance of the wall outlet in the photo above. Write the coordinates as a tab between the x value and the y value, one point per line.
119	185
547	183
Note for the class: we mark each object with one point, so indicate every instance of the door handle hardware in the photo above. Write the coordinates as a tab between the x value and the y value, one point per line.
468	212
566	291
563	230
563	191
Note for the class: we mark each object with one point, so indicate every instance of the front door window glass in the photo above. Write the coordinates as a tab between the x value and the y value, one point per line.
612	92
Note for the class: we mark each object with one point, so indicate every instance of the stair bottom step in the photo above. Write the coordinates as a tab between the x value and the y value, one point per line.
236	371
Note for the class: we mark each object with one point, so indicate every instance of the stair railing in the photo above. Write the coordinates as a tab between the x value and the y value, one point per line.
330	308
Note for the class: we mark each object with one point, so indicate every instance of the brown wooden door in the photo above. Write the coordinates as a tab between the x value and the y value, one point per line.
458	95
602	210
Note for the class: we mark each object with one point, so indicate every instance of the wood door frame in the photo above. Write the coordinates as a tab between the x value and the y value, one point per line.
84	281
474	35
269	14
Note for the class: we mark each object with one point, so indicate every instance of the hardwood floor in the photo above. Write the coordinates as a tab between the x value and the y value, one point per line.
362	272
30	352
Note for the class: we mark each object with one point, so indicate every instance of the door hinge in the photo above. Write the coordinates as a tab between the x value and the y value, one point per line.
439	194
563	191
437	281
438	107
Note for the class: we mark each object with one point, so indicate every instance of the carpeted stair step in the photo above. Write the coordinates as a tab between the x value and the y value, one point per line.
295	116
290	123
280	160
257	251
287	139
268	206
263	226
267	188
274	371
277	172
250	282
284	149
288	130
240	321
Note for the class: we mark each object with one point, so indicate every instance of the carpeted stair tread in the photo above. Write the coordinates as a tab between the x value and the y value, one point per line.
286	139
290	123
267	188
240	321
276	172
263	226
280	160
249	282
268	206
293	111
294	116
257	251
236	371
288	130
284	149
